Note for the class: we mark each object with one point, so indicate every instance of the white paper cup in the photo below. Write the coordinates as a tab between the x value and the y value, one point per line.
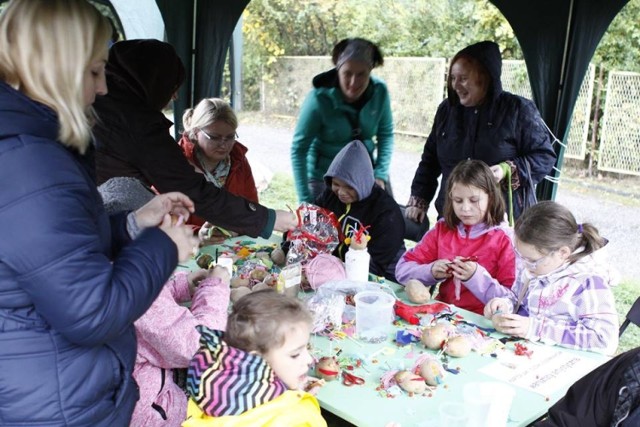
488	403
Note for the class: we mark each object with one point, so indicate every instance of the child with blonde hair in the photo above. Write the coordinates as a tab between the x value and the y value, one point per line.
562	294
470	248
254	373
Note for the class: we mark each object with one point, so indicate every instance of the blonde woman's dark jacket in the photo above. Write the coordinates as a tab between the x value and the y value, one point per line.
72	282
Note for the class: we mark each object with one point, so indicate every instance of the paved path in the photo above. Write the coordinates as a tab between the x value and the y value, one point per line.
618	222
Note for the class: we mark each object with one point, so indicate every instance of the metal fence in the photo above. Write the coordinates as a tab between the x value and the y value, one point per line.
620	135
417	86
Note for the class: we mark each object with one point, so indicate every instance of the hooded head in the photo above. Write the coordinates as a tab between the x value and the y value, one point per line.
353	166
486	58
149	71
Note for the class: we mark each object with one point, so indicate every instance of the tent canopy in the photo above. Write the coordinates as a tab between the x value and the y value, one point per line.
558	39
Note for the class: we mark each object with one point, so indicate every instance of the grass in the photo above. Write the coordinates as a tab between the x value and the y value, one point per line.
281	194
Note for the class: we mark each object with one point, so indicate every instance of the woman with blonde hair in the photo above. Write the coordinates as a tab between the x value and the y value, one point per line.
209	143
72	279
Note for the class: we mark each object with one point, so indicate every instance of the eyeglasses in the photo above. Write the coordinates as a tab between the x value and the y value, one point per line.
531	265
220	140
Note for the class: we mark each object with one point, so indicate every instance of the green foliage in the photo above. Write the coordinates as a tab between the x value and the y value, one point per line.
626	294
436	28
619	49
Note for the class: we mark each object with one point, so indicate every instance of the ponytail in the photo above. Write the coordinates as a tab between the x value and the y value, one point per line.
587	238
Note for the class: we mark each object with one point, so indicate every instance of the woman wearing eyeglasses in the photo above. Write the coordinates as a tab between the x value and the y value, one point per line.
209	144
132	139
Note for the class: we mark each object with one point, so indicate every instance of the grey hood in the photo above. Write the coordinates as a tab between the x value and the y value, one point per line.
353	166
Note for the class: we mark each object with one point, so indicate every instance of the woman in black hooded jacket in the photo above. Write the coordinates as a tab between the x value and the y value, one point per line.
481	121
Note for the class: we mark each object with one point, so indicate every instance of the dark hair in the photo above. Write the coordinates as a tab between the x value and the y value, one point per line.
548	226
478	72
259	320
477	174
376	54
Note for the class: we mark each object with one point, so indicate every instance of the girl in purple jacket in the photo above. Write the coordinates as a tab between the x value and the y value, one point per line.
562	294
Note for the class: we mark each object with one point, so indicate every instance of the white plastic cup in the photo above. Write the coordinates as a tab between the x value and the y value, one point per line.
453	414
488	403
356	265
374	315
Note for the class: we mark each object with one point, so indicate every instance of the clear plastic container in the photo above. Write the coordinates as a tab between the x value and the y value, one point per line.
374	315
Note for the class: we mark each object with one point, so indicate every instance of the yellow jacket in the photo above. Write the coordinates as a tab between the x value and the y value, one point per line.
291	409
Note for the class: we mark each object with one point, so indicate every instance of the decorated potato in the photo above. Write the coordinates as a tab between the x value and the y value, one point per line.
434	336
327	368
417	292
432	372
238	282
260	286
258	274
204	260
410	382
458	346
278	257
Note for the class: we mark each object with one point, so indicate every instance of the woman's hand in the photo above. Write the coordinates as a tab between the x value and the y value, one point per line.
285	221
511	324
415	214
152	214
210	235
462	268
182	236
381	183
496	306
440	269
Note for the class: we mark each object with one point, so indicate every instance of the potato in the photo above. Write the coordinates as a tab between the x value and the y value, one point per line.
410	382
433	336
432	372
238	282
238	293
458	346
278	257
258	274
327	368
204	260
260	286
417	292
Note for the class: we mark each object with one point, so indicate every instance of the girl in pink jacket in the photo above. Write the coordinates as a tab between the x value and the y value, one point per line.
168	339
470	247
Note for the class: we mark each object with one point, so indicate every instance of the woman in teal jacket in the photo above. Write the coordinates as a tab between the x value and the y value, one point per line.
347	103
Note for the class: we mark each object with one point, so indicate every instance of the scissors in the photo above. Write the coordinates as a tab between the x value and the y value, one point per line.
350	379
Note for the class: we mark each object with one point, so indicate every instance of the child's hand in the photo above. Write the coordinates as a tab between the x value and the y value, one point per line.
440	269
511	324
194	278
463	268
495	306
221	273
312	385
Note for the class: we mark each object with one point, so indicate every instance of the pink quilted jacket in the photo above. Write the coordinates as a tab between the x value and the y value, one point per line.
167	339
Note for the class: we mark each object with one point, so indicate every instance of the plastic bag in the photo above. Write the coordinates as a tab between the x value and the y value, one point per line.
317	232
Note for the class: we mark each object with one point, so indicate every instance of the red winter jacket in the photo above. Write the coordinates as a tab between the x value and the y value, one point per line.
492	246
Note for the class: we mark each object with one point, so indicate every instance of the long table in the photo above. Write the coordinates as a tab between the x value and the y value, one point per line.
367	405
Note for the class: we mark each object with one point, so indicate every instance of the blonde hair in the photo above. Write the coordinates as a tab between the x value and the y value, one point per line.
45	48
208	111
260	320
